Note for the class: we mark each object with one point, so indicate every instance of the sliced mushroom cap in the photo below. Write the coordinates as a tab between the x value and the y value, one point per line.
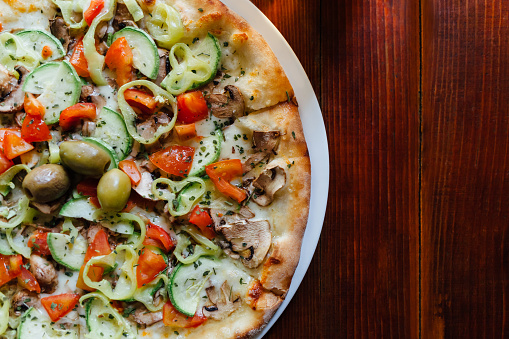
230	104
251	239
23	300
44	272
266	141
221	302
164	65
271	180
144	317
61	31
13	99
122	18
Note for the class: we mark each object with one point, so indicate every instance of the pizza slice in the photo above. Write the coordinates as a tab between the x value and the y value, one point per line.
155	178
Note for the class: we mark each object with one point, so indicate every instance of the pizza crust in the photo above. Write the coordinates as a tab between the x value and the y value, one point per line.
255	70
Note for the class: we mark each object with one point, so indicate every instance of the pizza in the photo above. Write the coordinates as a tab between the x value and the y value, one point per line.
154	176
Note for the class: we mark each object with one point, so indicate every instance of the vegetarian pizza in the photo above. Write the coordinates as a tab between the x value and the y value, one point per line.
154	177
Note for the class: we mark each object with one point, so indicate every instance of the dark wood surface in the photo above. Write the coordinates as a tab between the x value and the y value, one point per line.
415	98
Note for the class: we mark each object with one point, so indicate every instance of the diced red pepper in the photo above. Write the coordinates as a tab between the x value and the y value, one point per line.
34	129
79	61
150	264
222	172
144	101
192	107
59	305
157	236
173	318
38	242
71	116
120	59
96	6
46	52
201	218
15	146
129	167
176	160
28	281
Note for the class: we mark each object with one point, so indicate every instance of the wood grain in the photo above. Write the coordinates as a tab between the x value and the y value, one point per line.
363	281
465	172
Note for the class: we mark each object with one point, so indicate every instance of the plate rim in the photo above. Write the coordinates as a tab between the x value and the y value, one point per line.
314	132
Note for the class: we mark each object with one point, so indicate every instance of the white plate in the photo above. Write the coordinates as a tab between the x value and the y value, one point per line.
314	131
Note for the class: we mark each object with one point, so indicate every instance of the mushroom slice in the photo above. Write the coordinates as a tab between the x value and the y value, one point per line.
271	180
266	141
230	104
61	31
144	317
122	18
221	302
44	272
13	99
164	66
251	239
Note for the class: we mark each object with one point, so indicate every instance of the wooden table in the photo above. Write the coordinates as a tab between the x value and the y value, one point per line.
415	98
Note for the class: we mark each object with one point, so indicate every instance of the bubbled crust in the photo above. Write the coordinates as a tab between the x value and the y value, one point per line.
263	82
290	208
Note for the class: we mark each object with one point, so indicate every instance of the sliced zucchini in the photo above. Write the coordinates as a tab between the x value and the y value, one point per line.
35	324
207	153
5	248
79	208
35	40
58	85
188	281
111	152
145	55
67	250
111	128
193	66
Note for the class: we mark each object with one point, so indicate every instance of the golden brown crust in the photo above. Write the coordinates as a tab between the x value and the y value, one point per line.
247	58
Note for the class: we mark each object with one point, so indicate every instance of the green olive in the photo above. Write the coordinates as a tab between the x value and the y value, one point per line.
84	158
46	183
113	190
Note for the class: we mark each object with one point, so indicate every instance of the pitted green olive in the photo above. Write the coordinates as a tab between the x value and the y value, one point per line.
113	190
46	183
84	158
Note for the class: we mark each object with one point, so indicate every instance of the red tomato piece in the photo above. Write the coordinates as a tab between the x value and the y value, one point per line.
221	173
144	101
59	305
96	6
99	246
173	318
34	129
28	281
15	146
88	187
71	116
79	61
39	243
150	264
160	238
10	267
192	107
201	218
120	59
176	160
129	167
5	163
46	52
33	106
